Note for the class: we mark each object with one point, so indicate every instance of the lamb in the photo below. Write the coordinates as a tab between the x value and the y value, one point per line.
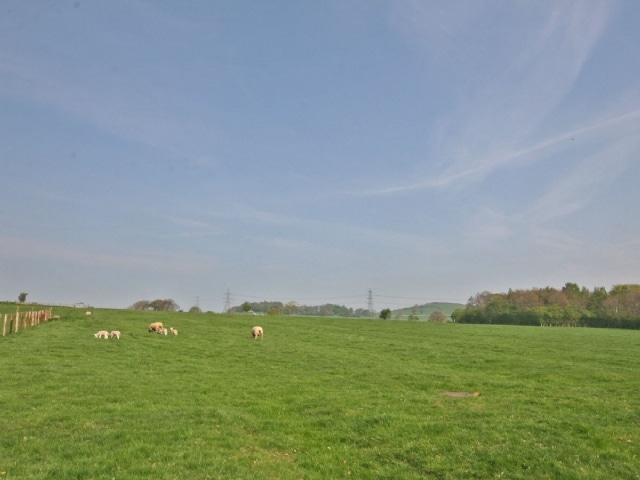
173	330
257	332
156	327
115	333
102	334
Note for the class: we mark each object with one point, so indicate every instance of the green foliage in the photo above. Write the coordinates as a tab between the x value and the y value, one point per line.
159	305
22	297
385	314
424	311
571	306
554	403
292	308
195	309
438	317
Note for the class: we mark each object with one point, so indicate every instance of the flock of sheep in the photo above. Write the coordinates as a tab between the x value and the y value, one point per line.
158	327
105	334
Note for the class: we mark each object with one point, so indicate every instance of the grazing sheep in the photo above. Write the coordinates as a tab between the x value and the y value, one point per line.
156	327
173	330
164	332
257	332
102	334
115	333
88	314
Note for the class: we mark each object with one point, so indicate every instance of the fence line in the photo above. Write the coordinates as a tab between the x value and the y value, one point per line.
15	322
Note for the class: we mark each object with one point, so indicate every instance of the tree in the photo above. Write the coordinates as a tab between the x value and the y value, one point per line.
524	298
438	317
457	314
290	308
167	305
575	295
195	309
246	307
141	305
597	299
22	297
385	314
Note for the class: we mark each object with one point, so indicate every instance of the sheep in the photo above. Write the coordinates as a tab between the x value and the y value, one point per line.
115	333
102	334
164	332
88	314
156	327
257	332
173	330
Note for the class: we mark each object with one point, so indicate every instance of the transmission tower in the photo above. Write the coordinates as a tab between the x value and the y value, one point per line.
227	301
370	303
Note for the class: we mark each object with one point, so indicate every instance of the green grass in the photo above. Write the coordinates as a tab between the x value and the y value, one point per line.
424	311
317	399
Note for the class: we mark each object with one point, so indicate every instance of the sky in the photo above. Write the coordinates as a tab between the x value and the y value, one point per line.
316	152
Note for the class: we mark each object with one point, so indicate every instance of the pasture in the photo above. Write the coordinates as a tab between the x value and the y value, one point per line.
318	398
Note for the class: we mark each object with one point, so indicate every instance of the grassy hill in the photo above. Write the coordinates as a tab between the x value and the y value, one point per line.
423	311
318	398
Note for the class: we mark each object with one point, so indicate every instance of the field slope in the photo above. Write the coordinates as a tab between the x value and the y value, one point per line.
422	312
317	399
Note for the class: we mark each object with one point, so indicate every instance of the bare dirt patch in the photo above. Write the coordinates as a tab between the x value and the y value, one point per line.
459	394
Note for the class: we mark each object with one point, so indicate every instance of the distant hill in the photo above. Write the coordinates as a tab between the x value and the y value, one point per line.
423	311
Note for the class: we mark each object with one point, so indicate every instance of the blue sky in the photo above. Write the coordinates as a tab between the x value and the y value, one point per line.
311	151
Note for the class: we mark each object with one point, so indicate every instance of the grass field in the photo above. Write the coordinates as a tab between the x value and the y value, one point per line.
317	399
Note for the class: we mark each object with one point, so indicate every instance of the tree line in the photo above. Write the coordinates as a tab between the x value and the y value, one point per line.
293	308
158	305
570	306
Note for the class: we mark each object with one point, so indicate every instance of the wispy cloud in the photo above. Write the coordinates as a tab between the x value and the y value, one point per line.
599	155
495	125
23	248
195	228
593	173
322	235
603	130
127	108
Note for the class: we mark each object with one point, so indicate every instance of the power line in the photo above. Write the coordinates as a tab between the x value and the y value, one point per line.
240	295
387	300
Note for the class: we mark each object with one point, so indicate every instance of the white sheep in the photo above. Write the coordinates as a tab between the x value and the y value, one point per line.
173	330
88	313
156	327
115	333
257	332
102	334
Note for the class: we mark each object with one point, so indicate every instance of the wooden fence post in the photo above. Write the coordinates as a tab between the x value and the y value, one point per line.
4	326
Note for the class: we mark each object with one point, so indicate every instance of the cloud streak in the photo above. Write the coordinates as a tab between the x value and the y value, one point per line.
14	248
606	129
495	126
